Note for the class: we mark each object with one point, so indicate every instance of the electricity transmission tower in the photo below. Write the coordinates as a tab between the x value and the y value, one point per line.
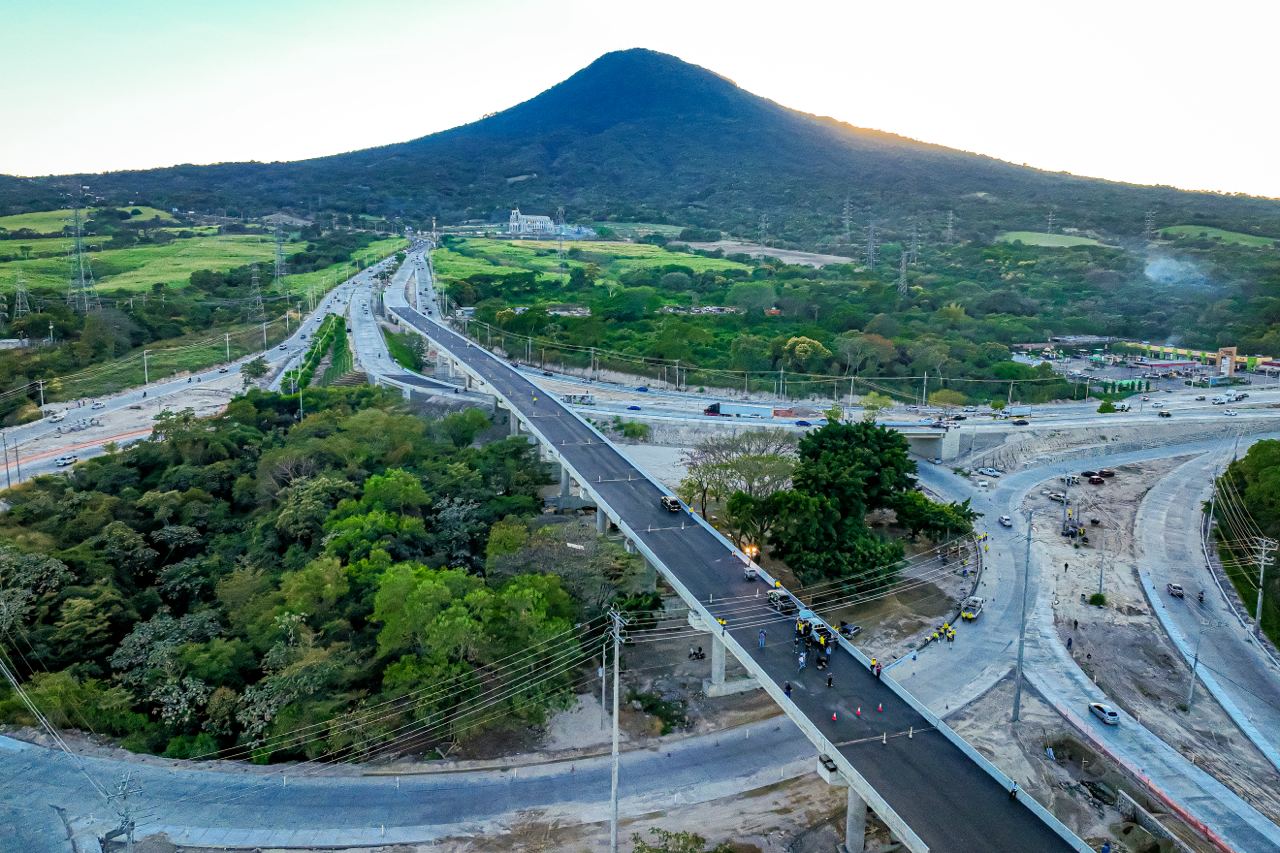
257	311
902	276
280	271
915	242
21	303
1149	228
1050	227
80	293
764	227
872	249
847	216
950	233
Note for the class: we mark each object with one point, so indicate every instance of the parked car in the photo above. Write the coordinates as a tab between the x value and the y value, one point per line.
98	404
63	461
1096	481
1089	474
937	460
1105	713
1006	521
1106	472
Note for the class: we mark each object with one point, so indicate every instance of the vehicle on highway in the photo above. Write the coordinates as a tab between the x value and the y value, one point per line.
643	389
633	408
98	404
1231	413
1157	405
972	608
1122	407
57	417
671	503
937	460
803	424
1021	422
283	346
1165	413
1006	521
63	461
1175	589
1200	398
223	370
1105	713
990	472
738	410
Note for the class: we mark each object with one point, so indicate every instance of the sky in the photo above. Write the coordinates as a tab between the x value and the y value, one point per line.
1176	93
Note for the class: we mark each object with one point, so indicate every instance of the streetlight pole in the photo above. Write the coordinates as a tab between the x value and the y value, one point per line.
1022	630
146	370
226	339
613	795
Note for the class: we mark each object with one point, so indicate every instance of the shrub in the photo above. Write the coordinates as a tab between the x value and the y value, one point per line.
1098	599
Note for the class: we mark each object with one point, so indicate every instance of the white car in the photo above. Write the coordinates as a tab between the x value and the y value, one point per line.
1157	405
98	404
64	461
1231	413
1105	713
1006	521
57	417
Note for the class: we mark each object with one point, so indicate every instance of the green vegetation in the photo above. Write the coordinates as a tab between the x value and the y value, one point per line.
240	579
187	325
407	348
663	841
1248	507
1205	232
331	334
341	361
1098	599
1038	238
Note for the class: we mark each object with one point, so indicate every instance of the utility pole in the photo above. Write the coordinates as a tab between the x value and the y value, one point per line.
146	371
616	617
1264	545
264	334
226	339
1022	630
4	441
41	383
871	244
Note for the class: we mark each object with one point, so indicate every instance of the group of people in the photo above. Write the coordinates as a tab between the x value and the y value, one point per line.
813	639
946	632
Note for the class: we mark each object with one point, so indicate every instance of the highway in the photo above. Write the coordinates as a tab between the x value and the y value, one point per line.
943	678
917	776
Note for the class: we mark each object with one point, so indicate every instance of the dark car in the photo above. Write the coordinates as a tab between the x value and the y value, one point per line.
1106	472
633	408
643	389
671	503
1096	481
1165	413
1022	422
803	424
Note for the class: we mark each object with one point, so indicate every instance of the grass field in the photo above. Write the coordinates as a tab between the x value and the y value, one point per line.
1037	238
53	221
43	247
631	230
139	267
323	279
613	258
1207	233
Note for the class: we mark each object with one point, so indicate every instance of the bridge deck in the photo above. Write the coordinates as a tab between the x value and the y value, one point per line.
944	796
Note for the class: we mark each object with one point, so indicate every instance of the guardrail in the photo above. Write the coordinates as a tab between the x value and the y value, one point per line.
904	833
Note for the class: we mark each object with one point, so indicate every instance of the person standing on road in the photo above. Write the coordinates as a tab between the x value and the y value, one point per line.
762	636
802	663
830	680
878	671
786	689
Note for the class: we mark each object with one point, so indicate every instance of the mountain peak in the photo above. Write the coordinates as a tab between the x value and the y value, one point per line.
625	86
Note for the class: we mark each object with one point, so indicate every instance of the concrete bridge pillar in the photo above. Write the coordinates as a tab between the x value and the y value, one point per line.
628	546
602	521
514	423
717	662
565	481
855	823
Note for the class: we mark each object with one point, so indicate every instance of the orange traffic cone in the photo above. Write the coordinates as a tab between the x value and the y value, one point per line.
859	711
833	716
880	707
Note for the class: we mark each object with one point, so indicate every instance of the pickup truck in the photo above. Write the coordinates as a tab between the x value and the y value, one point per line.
972	608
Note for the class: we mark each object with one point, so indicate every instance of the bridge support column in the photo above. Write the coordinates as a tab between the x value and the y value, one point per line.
602	521
514	423
717	684
628	546
855	823
565	481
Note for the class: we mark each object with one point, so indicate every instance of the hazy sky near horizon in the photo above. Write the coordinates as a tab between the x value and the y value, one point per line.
1173	93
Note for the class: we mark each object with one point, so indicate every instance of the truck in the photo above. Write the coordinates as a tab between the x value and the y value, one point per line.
1015	412
972	608
739	410
1122	407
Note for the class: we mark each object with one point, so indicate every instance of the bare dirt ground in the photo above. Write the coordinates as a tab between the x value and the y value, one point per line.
1122	646
1067	782
755	250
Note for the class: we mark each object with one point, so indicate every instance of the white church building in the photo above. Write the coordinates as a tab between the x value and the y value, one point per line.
521	225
